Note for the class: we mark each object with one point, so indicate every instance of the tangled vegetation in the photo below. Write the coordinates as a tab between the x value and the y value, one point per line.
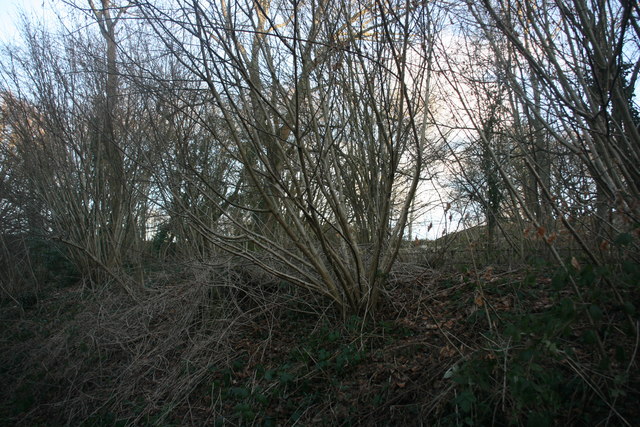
321	212
226	344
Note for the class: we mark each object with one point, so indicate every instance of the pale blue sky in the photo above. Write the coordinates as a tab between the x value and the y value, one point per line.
10	15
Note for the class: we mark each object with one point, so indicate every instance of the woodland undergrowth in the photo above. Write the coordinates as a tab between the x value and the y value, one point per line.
226	344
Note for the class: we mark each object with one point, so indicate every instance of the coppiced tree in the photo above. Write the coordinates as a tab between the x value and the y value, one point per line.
565	64
563	68
319	111
78	148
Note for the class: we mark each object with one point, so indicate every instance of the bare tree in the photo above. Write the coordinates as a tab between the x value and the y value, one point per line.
576	90
317	105
81	159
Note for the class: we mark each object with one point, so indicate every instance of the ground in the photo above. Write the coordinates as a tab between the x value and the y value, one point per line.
456	347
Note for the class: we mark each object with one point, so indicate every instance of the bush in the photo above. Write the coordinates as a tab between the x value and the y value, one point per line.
565	364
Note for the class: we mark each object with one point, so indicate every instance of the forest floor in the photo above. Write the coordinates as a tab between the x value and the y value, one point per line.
489	347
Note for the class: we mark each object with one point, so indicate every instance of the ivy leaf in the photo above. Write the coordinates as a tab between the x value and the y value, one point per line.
623	239
239	392
596	312
629	308
465	400
286	377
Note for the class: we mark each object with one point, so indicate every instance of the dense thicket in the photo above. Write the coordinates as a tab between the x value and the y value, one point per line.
308	139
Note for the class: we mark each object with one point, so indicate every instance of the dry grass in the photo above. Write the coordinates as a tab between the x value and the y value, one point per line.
85	354
228	343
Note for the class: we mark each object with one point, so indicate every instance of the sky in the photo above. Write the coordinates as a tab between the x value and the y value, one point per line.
10	11
42	10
